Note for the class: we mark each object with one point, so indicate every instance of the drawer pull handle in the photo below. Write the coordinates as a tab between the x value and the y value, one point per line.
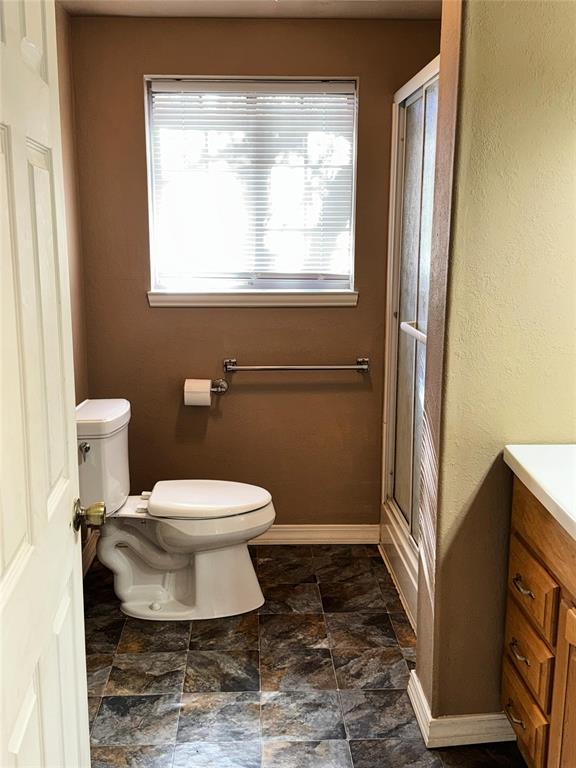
517	655
513	718
517	581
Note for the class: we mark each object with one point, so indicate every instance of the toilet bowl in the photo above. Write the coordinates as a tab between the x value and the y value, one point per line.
179	552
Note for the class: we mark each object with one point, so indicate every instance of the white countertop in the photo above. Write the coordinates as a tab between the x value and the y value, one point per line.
549	471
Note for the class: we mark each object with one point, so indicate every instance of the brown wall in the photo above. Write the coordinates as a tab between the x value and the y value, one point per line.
312	439
71	201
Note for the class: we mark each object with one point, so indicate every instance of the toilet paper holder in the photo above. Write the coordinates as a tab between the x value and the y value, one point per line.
219	386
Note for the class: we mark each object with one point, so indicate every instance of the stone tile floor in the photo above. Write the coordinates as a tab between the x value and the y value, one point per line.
315	679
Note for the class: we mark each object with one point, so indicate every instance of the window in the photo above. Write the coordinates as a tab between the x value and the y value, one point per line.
251	191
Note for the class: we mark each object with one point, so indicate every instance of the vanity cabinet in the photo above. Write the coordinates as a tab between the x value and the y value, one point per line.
539	664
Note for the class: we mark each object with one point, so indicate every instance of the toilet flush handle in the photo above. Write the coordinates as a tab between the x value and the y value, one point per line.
93	516
84	448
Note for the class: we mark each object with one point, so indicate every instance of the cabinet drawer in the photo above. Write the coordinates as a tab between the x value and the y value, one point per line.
530	655
533	588
526	718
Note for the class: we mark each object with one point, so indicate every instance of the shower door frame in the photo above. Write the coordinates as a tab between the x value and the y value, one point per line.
399	548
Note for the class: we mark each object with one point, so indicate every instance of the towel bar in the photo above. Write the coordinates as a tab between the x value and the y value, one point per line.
362	365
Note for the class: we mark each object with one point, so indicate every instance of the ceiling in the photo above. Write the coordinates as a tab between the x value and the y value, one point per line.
306	9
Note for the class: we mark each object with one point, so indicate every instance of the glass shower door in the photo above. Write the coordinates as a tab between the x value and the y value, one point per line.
417	149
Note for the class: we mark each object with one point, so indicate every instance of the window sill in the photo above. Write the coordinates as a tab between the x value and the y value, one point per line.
255	299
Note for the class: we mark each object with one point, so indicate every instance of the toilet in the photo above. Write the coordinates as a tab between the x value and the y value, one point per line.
179	551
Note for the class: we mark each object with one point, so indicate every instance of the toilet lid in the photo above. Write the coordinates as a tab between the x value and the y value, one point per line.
205	498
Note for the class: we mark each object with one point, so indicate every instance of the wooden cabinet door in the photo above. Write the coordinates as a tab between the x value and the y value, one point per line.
562	753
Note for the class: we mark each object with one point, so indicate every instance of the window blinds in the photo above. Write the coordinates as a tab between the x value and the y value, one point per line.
252	185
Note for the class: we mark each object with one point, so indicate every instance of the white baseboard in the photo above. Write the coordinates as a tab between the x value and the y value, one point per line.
452	731
401	557
407	608
320	534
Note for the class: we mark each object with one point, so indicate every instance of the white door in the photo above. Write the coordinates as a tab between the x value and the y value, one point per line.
43	718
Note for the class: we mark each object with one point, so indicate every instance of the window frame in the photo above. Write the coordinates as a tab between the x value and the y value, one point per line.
262	297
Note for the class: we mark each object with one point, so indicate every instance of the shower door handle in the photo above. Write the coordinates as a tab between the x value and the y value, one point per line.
411	330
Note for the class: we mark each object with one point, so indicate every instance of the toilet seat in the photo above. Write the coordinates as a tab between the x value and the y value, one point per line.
205	499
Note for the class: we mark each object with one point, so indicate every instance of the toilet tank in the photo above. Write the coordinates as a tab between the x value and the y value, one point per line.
102	433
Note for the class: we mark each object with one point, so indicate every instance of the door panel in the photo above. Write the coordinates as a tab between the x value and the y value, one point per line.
43	716
16	531
427	204
407	304
48	298
33	34
417	150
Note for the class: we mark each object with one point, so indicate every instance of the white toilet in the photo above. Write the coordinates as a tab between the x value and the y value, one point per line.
179	552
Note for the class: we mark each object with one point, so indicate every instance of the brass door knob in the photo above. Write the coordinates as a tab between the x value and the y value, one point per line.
93	516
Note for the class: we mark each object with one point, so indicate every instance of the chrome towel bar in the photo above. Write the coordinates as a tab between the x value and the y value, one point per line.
362	365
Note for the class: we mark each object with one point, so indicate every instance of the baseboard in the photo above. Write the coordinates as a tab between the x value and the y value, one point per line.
401	558
452	731
89	551
407	608
320	534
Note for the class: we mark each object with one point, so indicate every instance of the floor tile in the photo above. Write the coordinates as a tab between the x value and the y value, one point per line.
273	571
335	568
232	633
379	568
93	705
283	552
202	754
360	630
109	609
132	757
99	596
350	550
303	719
98	667
403	630
297	716
391	597
142	636
299	670
292	631
410	656
292	598
482	756
136	673
371	669
136	720
102	633
378	715
219	717
222	671
357	595
394	753
306	754
99	591
98	573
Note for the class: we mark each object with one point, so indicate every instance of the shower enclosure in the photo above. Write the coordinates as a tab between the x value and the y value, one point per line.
410	239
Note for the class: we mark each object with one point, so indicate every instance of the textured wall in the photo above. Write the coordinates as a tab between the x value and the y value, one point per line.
510	365
71	200
313	439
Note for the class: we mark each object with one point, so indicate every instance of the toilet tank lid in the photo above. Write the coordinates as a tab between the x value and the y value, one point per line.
202	499
100	418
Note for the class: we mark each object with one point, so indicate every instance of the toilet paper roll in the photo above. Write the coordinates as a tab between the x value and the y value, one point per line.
197	392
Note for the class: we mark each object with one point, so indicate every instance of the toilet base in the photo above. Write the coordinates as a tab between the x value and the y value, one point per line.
157	585
222	583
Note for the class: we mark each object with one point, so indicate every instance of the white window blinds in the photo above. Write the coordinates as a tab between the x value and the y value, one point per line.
252	185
